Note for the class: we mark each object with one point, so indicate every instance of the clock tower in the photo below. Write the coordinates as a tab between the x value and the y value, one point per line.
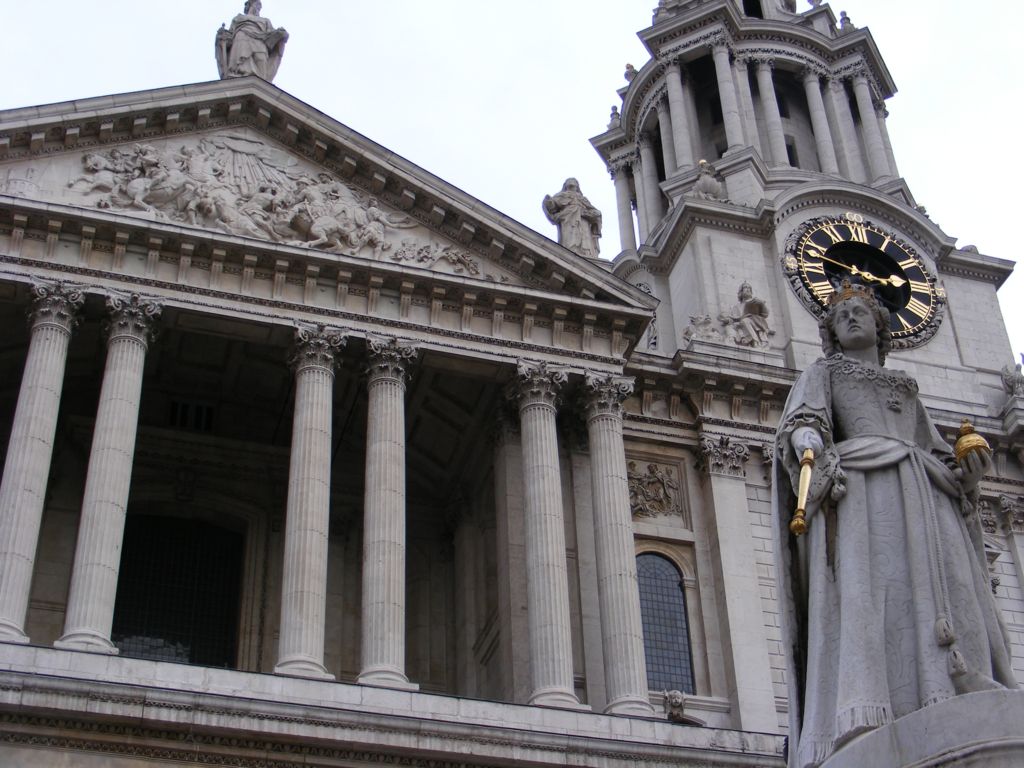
753	173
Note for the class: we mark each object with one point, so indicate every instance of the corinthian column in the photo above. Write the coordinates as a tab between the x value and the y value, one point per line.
383	649
680	120
90	611
23	489
625	669
304	583
547	579
627	237
653	207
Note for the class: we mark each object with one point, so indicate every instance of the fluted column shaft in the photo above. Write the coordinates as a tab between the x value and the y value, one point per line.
878	164
643	229
625	668
681	127
307	520
652	192
665	128
881	114
727	95
30	450
90	610
819	123
770	108
383	625
547	579
624	207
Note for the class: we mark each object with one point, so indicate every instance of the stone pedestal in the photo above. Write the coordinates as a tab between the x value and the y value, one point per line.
980	730
304	581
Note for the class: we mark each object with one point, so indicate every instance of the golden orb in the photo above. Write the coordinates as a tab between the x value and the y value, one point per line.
969	441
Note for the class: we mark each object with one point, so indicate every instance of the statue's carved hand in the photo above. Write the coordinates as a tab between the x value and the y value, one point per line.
807	437
975	466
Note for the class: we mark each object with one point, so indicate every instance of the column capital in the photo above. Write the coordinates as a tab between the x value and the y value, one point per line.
389	359
719	41
721	455
605	393
643	141
55	305
133	316
316	346
662	107
537	384
763	62
812	73
672	64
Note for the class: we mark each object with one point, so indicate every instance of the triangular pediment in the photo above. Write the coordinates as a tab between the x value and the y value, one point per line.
241	158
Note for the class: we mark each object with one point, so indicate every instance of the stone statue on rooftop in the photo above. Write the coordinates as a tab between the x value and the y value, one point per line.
578	221
251	46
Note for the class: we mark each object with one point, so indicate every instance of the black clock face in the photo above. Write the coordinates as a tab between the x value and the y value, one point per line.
825	251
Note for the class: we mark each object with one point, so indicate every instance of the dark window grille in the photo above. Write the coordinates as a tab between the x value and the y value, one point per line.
666	630
178	592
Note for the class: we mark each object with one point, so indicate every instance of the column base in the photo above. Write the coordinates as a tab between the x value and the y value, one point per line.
90	642
630	705
11	633
386	677
556	697
303	667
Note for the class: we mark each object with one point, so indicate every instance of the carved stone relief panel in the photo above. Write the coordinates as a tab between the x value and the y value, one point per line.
655	490
235	181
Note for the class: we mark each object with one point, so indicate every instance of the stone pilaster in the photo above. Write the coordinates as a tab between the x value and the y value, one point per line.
878	163
744	644
819	123
625	668
383	625
23	490
623	206
677	112
643	229
547	582
90	609
304	580
770	109
882	114
727	93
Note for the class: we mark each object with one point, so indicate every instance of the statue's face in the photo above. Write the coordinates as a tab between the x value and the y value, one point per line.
745	293
854	325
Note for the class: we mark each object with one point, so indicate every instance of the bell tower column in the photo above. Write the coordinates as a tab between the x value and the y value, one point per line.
623	205
90	610
652	192
547	582
727	93
307	519
30	449
878	163
819	123
741	72
849	149
681	127
770	108
383	639
665	126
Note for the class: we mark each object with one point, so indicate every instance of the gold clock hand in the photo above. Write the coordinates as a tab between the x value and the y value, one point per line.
895	280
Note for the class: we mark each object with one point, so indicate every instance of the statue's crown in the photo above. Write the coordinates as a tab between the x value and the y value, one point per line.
848	290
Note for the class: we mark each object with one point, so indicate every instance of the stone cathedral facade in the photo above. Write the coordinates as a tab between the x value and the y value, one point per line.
313	459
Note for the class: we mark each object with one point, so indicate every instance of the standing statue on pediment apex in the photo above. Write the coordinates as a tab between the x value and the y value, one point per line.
578	221
251	46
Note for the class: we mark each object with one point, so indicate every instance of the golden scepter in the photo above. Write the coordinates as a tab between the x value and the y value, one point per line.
798	525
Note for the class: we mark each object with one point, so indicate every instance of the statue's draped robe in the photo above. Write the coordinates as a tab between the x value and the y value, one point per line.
255	47
887	606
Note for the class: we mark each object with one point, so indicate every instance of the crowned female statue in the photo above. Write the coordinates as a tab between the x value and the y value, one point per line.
251	46
887	606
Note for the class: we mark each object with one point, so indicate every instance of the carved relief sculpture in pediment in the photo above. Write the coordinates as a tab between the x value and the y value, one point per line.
654	491
237	183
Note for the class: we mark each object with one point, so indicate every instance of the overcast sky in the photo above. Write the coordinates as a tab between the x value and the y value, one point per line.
500	98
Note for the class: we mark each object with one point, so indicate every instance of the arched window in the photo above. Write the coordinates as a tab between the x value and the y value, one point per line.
178	591
666	629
